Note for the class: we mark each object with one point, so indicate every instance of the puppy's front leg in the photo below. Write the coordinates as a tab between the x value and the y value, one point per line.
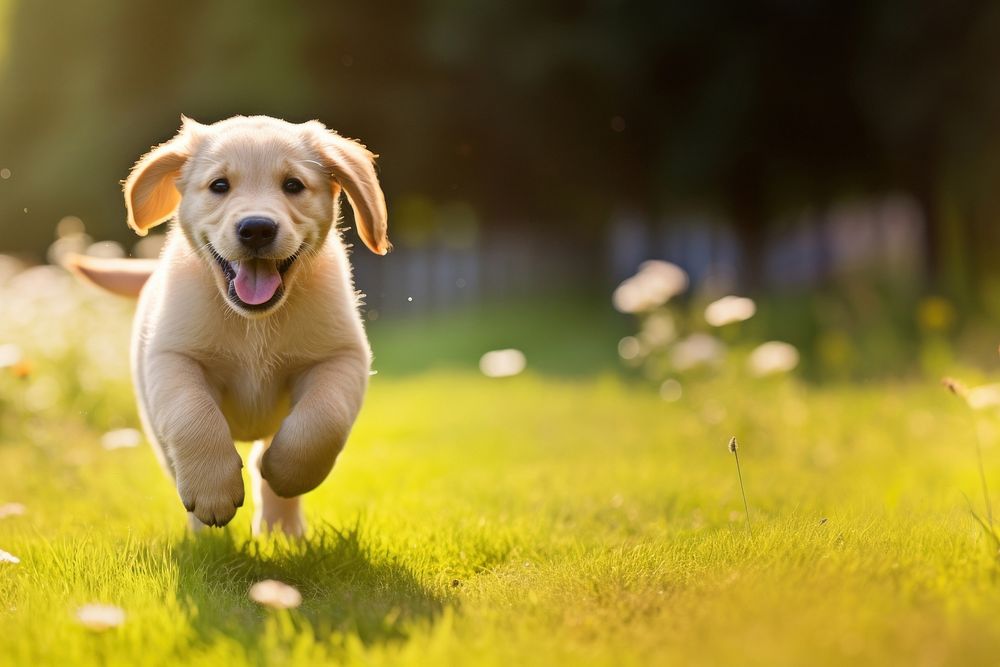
195	438
325	401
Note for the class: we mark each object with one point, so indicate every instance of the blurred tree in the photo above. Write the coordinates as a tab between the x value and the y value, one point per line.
923	82
540	116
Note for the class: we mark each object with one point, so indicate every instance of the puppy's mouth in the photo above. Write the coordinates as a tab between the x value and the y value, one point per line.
254	283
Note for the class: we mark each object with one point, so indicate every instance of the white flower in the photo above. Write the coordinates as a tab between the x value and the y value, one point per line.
773	357
729	309
121	438
629	298
9	266
502	363
982	397
671	390
696	350
7	557
149	247
658	329
670	278
106	249
275	594
653	285
12	509
100	617
629	348
10	354
70	226
64	246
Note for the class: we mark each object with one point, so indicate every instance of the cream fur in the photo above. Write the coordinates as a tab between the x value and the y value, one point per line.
208	371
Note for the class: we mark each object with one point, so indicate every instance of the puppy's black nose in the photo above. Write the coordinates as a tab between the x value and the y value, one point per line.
256	233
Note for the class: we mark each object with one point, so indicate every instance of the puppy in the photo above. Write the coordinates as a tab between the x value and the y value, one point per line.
248	328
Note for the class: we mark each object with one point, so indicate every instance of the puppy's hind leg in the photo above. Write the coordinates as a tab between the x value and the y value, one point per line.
194	523
271	511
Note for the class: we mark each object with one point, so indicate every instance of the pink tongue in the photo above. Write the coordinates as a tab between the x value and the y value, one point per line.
256	280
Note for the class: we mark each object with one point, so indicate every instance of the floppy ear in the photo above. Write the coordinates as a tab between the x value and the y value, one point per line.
151	196
352	166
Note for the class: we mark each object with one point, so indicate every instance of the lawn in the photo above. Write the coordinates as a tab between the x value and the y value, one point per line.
549	518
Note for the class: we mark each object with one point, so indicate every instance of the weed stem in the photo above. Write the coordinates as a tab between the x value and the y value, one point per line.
982	472
739	473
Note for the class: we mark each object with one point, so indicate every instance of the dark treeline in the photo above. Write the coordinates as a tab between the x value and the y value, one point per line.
554	114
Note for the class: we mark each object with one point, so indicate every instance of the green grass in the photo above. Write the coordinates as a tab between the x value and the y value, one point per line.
537	520
564	336
543	519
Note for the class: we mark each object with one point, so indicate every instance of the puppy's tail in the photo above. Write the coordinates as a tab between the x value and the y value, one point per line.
124	277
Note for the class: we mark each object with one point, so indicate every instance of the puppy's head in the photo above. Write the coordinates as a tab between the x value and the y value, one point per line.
256	197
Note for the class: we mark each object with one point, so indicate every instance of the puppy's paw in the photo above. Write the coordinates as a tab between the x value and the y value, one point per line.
213	491
293	469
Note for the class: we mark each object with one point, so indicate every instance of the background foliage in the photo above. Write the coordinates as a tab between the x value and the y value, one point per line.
555	114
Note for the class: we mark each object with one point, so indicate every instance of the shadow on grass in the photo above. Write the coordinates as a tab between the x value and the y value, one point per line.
347	585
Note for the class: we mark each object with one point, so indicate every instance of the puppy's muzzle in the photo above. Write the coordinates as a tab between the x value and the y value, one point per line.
256	232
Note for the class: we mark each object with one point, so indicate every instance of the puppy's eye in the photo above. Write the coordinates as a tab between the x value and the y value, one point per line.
293	186
219	186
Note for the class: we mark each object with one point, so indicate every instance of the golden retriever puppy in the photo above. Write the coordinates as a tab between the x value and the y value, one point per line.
248	327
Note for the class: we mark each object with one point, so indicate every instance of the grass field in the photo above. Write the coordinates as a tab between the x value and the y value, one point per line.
543	519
